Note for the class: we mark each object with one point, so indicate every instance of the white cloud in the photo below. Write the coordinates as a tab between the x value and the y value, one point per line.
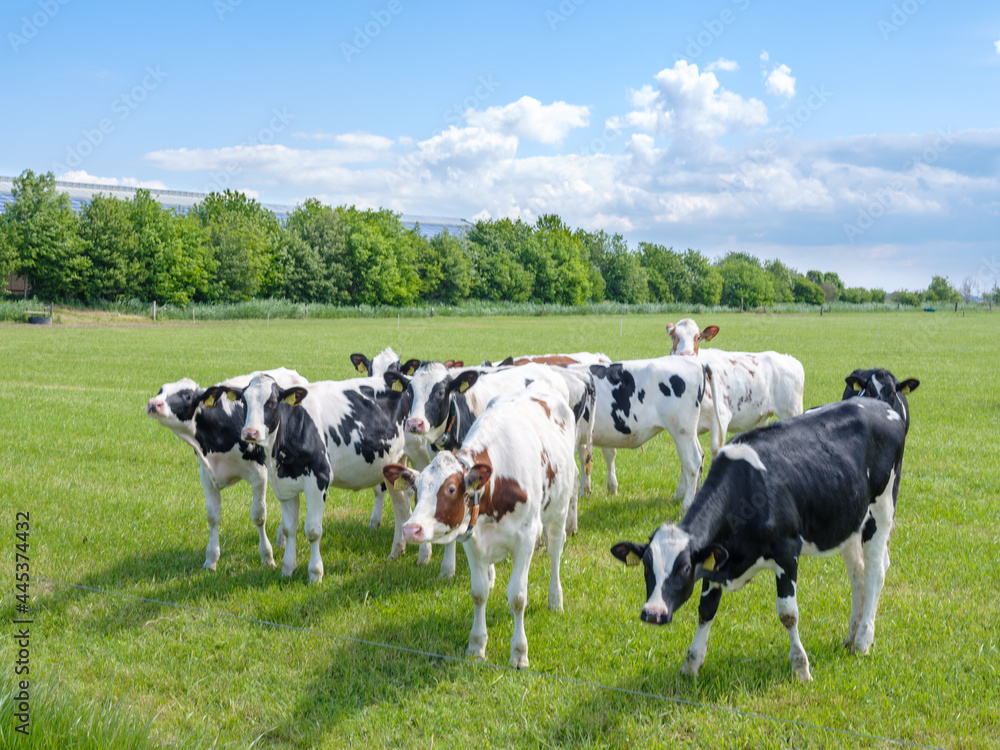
691	107
80	175
764	57
722	64
529	118
781	82
997	45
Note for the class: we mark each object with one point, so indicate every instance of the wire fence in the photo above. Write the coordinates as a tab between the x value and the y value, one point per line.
473	664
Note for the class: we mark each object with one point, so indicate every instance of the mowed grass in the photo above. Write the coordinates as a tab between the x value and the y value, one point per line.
116	505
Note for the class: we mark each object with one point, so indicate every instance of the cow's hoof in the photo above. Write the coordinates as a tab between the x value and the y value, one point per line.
690	666
396	553
209	565
476	652
519	659
270	564
316	576
287	570
803	674
447	575
556	602
373	524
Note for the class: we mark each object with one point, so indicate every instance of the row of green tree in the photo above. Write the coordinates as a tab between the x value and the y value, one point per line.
229	248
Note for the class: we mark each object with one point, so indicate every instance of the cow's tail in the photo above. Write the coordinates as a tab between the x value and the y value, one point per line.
716	432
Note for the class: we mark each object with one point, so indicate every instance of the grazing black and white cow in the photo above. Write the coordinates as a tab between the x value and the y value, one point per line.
326	434
514	474
223	457
444	408
637	399
752	386
819	483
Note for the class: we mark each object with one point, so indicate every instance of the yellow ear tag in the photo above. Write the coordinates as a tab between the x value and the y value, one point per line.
397	386
904	390
463	387
210	401
401	484
362	369
231	396
410	370
474	485
857	386
290	399
709	563
633	559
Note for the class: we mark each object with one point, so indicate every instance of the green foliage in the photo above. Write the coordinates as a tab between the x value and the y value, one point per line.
941	291
706	281
496	248
744	281
808	291
624	278
669	278
559	262
382	257
319	268
906	298
783	278
444	268
878	295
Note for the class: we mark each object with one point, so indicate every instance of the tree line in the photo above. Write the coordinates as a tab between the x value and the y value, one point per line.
229	248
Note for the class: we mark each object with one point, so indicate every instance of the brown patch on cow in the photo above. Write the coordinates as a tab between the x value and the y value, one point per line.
549	360
450	508
752	373
500	495
733	361
544	406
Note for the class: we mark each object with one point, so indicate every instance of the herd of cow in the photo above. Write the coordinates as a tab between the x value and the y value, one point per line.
485	456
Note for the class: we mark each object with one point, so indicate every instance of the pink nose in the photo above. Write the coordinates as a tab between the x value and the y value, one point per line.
153	406
417	426
250	433
685	354
411	532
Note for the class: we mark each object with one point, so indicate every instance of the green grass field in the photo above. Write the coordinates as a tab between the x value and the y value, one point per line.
115	504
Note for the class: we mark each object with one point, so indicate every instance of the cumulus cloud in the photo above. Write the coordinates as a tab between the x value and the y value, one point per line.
997	45
529	118
781	82
690	107
80	175
722	64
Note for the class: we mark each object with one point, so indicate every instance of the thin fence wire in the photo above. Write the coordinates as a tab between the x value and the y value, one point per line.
597	686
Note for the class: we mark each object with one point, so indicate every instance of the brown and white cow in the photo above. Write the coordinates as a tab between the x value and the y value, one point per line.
514	474
752	386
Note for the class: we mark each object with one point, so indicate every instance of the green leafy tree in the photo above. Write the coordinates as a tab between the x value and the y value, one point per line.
319	268
833	281
745	281
706	281
670	280
806	291
941	291
495	248
382	256
445	269
40	234
878	295
906	298
783	278
559	262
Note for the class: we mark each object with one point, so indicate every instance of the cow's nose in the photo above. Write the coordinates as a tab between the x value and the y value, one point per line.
417	426
251	434
685	354
655	616
153	406
411	532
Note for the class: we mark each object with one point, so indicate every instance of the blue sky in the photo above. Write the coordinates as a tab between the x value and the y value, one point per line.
860	137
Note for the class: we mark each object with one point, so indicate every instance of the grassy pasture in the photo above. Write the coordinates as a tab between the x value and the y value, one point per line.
116	505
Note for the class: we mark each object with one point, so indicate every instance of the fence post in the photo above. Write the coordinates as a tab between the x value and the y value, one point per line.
154	310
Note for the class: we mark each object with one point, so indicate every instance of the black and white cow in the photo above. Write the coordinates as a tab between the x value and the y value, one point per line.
326	434
223	457
752	386
637	399
514	474
444	408
819	483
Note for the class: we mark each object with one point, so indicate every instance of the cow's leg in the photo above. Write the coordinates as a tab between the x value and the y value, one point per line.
554	544
379	491
711	593
585	451
479	572
788	613
692	460
315	504
448	561
874	541
517	594
609	459
258	514
855	562
400	512
213	511
290	527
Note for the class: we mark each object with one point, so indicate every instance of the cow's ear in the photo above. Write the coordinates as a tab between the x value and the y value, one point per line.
486	363
410	366
478	476
509	362
855	382
453	363
210	396
464	381
361	363
670	328
629	553
293	396
711	557
399	477
395	382
908	386
709	333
